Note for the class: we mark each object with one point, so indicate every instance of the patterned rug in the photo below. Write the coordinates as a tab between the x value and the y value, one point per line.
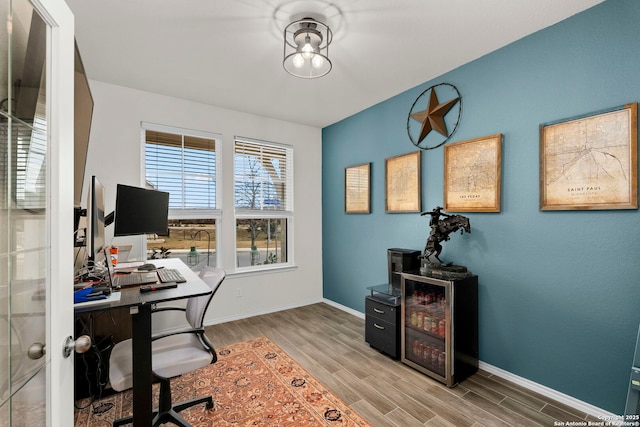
253	383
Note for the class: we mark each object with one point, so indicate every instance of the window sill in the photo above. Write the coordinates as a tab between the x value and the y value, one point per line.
257	270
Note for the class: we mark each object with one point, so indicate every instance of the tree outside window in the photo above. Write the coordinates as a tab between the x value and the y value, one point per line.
262	199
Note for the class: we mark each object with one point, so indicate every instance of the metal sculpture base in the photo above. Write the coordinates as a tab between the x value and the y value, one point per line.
443	271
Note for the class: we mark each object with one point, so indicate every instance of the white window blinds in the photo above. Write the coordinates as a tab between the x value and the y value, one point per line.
184	166
263	176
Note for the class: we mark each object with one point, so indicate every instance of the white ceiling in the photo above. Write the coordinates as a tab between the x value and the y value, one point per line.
229	53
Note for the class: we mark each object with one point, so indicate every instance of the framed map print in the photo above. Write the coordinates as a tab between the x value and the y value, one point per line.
590	162
472	175
357	188
403	183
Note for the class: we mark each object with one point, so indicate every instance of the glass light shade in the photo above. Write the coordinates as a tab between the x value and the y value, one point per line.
306	48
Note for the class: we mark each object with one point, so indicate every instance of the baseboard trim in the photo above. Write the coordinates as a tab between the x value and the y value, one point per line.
343	308
209	322
523	382
546	391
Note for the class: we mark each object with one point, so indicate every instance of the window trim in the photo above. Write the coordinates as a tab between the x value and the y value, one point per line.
190	213
223	225
287	214
195	214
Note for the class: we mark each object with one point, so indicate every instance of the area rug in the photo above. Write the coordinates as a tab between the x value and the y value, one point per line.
253	383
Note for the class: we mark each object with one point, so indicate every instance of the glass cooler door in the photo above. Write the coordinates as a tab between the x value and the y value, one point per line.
426	326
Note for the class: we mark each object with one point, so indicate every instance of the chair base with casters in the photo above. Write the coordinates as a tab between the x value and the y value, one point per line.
168	413
173	354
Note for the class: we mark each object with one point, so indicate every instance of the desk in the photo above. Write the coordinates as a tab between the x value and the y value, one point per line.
140	305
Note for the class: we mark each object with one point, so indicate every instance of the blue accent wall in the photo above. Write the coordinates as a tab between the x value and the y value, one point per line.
559	291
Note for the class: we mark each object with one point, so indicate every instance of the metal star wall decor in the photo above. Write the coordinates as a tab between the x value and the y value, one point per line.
434	117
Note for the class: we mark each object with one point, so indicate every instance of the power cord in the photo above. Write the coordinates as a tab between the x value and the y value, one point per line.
96	352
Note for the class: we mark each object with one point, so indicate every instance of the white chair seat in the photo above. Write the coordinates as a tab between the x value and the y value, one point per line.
171	356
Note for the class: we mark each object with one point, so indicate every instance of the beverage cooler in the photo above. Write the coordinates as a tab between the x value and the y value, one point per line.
439	326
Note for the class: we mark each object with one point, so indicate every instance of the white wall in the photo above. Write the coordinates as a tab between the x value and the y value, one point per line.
115	156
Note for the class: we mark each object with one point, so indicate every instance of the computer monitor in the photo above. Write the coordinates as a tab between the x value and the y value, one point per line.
95	219
82	115
141	211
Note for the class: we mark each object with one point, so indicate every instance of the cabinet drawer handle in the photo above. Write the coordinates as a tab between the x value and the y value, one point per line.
378	311
378	326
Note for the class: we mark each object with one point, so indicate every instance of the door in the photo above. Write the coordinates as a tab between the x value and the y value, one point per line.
36	212
426	337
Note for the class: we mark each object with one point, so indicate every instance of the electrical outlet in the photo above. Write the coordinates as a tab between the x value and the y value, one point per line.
238	292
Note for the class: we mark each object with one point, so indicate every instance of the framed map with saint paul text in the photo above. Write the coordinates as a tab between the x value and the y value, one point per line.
590	162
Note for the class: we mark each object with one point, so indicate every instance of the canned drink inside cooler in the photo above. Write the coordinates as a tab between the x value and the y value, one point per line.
442	327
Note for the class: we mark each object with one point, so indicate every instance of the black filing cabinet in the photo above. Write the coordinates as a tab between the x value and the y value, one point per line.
382	319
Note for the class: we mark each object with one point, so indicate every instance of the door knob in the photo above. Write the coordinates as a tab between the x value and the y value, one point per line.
36	351
81	345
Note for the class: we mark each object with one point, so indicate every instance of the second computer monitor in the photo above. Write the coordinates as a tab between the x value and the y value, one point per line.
141	211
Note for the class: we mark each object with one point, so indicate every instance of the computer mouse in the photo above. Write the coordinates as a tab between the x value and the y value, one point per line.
147	267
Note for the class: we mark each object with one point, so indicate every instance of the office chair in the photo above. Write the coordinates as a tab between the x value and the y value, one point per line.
173	354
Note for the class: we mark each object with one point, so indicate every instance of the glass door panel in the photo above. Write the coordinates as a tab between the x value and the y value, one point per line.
23	215
5	123
5	327
27	407
6	65
426	321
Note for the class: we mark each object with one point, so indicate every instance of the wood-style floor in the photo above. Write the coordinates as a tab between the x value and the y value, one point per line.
329	343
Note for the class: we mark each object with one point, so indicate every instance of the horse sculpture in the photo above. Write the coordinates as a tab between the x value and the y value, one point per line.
441	229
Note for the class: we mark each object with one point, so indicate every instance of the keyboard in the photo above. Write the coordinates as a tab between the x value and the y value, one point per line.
170	275
135	279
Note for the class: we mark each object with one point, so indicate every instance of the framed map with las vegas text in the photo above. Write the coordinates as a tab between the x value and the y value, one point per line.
590	162
472	172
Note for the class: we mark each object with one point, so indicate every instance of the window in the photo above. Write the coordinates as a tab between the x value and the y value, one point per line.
184	163
263	178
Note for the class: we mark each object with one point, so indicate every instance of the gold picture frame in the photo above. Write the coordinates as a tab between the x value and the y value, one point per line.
403	183
472	175
357	189
590	162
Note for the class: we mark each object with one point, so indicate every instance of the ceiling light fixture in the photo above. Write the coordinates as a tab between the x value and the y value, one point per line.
306	48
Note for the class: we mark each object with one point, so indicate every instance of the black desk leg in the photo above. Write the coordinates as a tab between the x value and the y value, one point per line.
142	377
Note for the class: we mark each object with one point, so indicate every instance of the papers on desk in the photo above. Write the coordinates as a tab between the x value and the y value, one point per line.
115	296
